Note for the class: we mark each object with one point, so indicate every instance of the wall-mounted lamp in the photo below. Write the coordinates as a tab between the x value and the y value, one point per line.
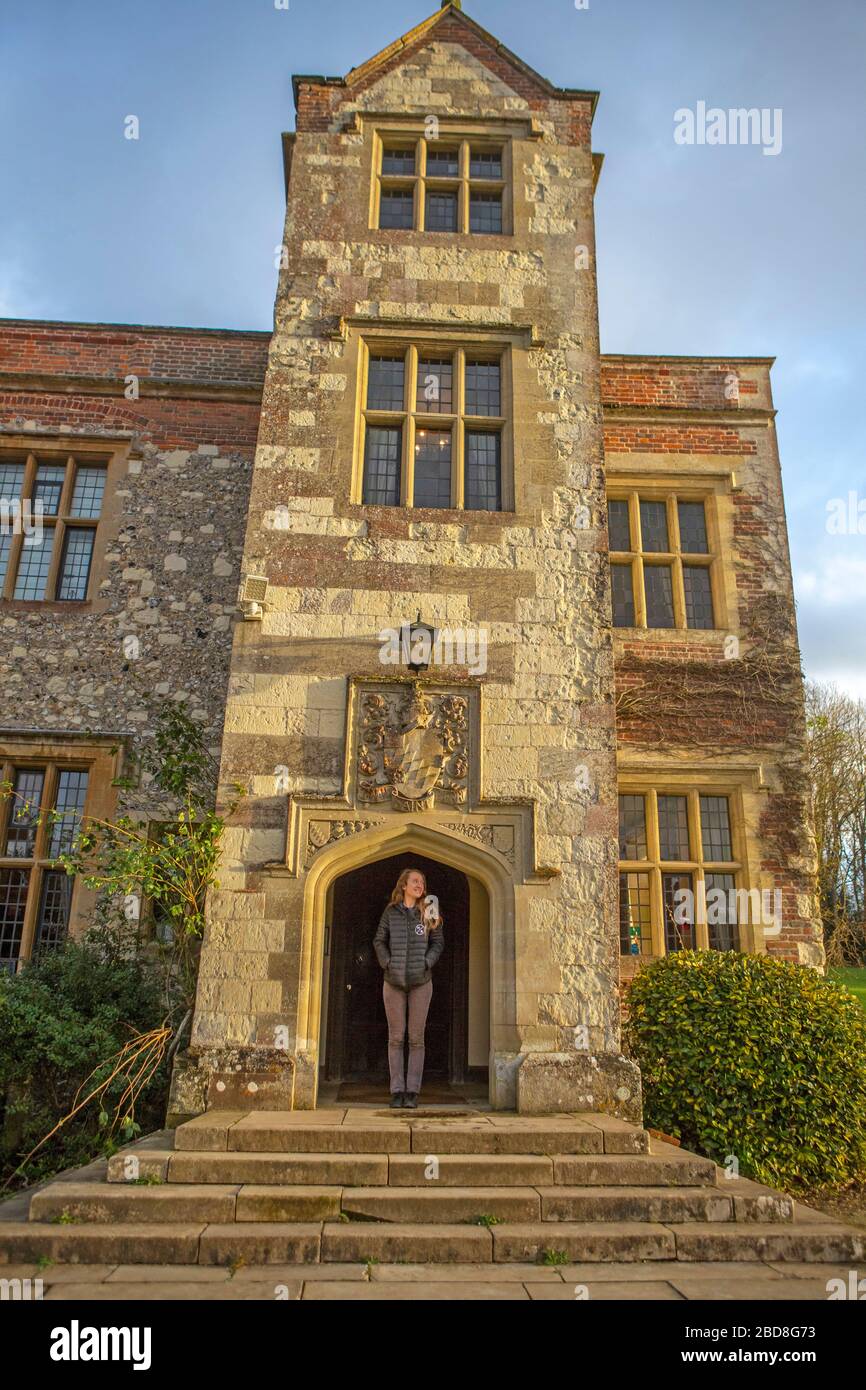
418	639
252	597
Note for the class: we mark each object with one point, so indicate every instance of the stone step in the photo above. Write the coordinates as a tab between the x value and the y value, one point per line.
359	1242
586	1242
676	1169
428	1202
426	1205
415	1170
343	1139
409	1176
470	1170
139	1162
261	1243
754	1202
274	1169
295	1132
813	1241
97	1202
664	1205
116	1243
620	1137
361	1170
688	1242
101	1203
285	1203
544	1137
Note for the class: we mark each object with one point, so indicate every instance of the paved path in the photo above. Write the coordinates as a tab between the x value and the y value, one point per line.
673	1281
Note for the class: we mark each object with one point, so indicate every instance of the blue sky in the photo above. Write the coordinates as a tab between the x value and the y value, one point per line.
702	249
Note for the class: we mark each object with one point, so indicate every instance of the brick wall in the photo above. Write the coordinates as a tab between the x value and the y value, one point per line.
171	535
684	383
682	700
189	355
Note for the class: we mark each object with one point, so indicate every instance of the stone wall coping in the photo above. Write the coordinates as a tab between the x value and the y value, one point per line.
99	325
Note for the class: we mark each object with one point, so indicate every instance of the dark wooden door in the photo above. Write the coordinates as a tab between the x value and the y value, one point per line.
357	1045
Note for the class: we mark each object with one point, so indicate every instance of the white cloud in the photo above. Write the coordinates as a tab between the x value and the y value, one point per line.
830	599
840	581
17	299
849	682
811	369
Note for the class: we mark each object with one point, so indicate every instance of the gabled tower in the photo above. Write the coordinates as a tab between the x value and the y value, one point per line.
430	445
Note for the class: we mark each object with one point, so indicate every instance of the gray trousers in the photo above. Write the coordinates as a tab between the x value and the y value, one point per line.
398	1004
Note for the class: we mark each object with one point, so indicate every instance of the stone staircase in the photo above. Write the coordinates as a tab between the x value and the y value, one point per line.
368	1186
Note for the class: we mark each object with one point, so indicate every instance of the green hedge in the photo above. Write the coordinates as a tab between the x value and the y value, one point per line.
59	1019
745	1055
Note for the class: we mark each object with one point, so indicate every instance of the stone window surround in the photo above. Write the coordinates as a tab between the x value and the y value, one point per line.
108	453
671	489
465	137
443	343
100	757
739	784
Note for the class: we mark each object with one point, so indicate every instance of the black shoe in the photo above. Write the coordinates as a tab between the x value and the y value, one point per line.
398	1100
410	1100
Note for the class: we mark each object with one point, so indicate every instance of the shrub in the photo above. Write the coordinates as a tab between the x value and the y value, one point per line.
745	1055
61	1017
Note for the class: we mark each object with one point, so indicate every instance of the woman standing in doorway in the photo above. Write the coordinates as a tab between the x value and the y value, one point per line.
407	947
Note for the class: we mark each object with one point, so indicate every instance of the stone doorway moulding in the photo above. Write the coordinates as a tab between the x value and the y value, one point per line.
412	783
446	846
353	1038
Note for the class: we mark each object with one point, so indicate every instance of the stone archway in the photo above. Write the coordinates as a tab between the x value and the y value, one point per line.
412	836
353	1039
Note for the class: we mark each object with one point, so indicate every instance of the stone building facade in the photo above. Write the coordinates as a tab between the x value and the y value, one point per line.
142	439
430	434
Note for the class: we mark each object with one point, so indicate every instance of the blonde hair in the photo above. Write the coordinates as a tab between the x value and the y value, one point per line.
400	887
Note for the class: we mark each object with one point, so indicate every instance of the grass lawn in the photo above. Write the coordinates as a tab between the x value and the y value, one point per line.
855	979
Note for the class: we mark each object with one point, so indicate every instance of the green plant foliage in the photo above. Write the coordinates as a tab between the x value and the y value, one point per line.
166	859
177	760
60	1019
88	1032
749	1056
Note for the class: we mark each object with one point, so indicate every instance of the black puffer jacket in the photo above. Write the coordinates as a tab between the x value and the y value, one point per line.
404	949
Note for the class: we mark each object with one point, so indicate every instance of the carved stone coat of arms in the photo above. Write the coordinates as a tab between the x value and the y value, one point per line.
412	747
